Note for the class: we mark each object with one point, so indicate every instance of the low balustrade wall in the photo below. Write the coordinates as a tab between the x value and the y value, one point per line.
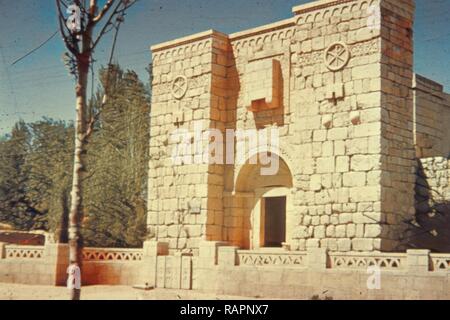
47	265
32	264
113	266
223	269
279	273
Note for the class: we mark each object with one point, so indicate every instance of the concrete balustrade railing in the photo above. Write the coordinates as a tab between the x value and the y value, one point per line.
112	254
440	262
319	258
226	269
23	252
415	274
47	265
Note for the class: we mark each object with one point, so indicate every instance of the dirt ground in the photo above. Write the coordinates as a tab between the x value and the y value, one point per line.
26	292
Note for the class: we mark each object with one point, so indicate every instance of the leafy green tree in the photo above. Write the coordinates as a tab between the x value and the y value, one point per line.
36	168
115	195
50	174
15	206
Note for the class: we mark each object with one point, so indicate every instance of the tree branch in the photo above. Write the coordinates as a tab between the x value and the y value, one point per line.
108	22
104	10
119	10
62	27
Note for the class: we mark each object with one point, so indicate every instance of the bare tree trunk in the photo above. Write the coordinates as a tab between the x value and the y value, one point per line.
84	120
61	230
76	210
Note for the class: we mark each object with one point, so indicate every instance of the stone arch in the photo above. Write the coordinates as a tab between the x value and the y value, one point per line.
283	178
280	151
246	201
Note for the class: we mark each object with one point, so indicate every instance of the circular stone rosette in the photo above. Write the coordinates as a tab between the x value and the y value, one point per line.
179	87
336	56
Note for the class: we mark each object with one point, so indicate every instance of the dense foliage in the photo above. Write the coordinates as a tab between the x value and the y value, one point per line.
36	164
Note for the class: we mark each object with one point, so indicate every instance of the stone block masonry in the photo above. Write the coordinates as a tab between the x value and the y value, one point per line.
363	143
431	119
336	81
431	225
397	136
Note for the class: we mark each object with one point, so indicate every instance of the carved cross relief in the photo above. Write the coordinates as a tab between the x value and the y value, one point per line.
336	57
179	87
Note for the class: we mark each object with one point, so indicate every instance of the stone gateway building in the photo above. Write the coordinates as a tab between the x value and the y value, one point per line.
289	160
353	119
355	127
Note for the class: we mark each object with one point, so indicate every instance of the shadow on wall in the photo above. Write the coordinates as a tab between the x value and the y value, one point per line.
430	228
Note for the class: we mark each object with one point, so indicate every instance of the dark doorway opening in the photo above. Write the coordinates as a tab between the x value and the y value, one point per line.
274	222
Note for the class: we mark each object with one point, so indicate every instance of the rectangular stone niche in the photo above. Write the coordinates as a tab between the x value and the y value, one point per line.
263	85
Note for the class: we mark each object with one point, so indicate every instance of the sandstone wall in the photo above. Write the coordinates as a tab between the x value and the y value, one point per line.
345	131
432	116
432	142
397	148
433	182
185	200
336	128
336	83
431	224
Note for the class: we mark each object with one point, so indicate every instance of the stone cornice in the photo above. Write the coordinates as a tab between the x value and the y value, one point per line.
318	5
419	79
428	86
189	39
233	37
263	29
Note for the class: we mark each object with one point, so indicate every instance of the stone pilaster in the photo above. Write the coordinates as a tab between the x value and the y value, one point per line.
189	92
151	251
418	261
56	257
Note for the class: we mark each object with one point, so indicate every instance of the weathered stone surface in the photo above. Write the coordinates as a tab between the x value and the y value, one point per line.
337	91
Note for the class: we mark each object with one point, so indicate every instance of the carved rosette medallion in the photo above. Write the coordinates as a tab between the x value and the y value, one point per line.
337	55
179	87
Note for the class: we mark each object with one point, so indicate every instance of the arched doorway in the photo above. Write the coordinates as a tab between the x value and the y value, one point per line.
264	204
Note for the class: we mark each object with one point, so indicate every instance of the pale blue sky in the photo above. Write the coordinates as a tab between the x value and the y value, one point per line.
40	85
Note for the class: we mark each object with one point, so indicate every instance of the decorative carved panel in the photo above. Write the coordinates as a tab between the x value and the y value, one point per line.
24	252
112	254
